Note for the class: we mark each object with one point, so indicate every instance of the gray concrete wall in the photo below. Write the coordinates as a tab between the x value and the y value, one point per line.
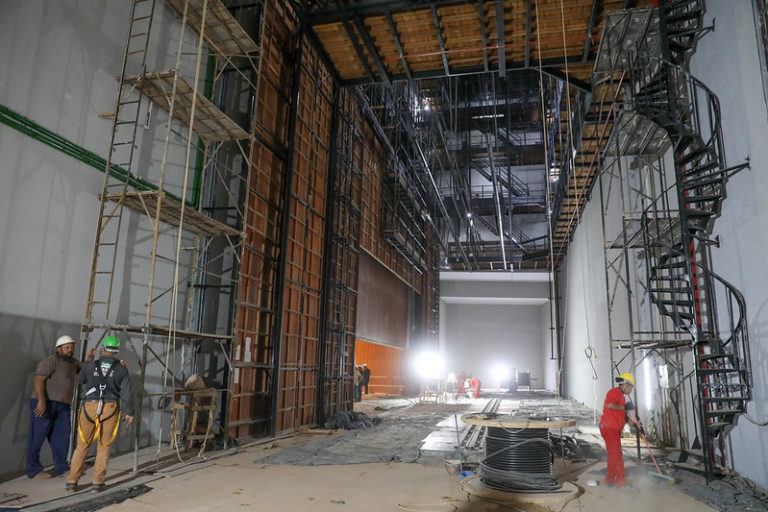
61	60
586	348
727	62
480	336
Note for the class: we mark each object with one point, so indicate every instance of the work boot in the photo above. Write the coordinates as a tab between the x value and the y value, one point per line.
70	488
43	475
97	488
621	483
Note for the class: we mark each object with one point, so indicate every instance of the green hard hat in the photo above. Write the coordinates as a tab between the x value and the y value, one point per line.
111	343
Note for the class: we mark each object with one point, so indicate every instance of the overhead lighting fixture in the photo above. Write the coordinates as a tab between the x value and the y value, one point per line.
469	215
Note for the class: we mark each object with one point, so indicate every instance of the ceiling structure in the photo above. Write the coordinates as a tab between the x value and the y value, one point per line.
479	59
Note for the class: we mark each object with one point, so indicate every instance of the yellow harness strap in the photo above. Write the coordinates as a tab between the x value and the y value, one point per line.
97	429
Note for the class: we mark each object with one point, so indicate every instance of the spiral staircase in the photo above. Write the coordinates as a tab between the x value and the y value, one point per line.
681	283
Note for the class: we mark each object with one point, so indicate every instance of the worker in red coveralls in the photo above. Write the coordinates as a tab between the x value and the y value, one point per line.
474	387
460	383
612	423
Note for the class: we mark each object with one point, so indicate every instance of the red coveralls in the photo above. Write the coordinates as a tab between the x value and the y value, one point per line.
474	385
611	425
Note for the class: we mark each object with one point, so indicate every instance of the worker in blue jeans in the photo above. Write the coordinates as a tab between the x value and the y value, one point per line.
54	381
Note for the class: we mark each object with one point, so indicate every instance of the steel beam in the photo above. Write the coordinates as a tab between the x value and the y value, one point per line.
528	33
483	34
372	8
439	31
588	42
399	45
500	38
371	48
473	70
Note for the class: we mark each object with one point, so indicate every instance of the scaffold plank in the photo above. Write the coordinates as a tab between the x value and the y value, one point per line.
222	32
170	213
209	122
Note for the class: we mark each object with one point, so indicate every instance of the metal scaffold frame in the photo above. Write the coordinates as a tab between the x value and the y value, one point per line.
194	231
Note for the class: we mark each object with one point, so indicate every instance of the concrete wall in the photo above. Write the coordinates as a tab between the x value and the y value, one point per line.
61	60
584	319
480	336
727	62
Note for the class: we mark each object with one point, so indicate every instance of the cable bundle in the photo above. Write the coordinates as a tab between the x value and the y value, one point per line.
518	460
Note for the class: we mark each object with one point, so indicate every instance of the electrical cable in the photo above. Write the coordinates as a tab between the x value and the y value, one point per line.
518	460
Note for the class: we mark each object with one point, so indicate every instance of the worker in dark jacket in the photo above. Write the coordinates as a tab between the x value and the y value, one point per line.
366	377
105	381
612	423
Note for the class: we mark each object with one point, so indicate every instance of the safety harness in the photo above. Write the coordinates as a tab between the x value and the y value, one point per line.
102	379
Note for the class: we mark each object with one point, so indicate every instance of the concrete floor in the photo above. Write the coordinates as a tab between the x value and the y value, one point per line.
242	480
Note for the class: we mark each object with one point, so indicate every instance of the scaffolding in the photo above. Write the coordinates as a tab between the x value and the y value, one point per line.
186	130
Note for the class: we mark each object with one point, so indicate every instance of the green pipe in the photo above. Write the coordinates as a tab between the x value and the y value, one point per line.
210	70
28	127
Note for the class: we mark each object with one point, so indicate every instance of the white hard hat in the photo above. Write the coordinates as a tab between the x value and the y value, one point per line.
64	340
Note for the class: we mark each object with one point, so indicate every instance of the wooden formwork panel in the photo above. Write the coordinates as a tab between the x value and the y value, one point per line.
387	365
374	162
300	352
253	349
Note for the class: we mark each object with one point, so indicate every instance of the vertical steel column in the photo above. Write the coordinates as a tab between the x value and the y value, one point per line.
331	213
285	214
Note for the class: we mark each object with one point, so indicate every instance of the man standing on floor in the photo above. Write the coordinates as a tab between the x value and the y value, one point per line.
105	381
54	381
366	377
358	382
612	423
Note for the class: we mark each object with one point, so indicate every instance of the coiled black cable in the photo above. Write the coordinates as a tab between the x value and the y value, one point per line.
518	460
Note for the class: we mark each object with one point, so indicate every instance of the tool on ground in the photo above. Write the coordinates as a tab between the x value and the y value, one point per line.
658	474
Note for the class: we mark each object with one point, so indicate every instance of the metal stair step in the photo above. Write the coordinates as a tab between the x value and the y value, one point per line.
670	265
699	213
711	357
703	198
693	155
683	314
702	168
722	385
672	302
715	371
683	16
686	291
690	184
718	425
722	412
713	400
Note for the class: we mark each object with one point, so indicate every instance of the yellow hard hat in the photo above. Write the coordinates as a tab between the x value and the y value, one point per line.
626	377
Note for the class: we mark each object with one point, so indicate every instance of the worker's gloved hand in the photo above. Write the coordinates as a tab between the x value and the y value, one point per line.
641	429
629	406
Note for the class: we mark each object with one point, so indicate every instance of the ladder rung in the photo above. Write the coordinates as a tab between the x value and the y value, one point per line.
139	34
140	18
128	102
98	302
135	52
102	272
106	243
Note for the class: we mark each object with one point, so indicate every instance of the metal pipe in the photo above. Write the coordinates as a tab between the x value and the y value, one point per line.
497	201
28	127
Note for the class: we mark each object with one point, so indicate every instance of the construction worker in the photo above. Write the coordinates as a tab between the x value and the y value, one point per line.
612	423
54	381
105	381
366	377
474	387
